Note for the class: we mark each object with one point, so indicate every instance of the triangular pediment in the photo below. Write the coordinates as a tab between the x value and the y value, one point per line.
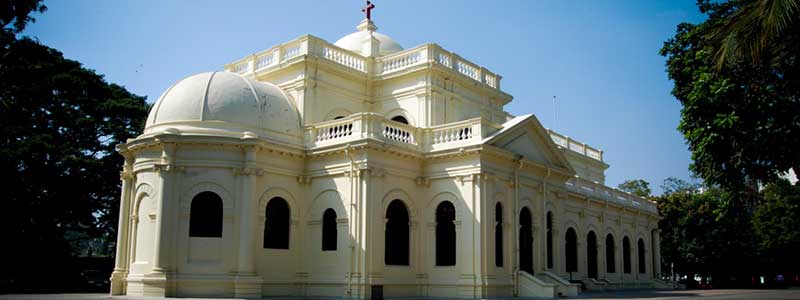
524	135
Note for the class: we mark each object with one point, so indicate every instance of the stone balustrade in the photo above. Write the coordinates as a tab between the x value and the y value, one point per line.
371	125
387	65
576	146
599	191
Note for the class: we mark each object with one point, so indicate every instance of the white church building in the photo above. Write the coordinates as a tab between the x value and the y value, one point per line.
361	169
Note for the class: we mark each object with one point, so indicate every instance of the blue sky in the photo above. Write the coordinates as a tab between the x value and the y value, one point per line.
600	58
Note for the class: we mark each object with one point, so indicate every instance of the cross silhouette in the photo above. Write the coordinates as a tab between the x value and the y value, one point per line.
368	9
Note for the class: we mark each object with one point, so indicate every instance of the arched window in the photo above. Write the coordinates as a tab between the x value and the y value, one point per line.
498	235
329	230
571	247
400	119
396	238
338	117
626	255
591	255
445	234
640	249
549	240
276	225
525	241
611	263
205	217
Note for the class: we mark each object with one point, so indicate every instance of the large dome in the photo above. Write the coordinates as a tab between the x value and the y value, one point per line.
225	103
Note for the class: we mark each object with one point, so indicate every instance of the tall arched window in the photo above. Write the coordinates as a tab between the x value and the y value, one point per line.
611	263
400	119
626	255
498	235
276	225
445	234
640	249
205	217
525	241
329	230
397	233
549	240
591	255
571	250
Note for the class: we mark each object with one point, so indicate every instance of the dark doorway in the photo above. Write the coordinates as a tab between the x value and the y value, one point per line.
445	234
498	235
396	238
549	240
611	262
525	241
571	247
276	225
329	236
626	255
591	253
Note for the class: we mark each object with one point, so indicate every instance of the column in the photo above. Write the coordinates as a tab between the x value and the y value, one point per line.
656	253
123	227
164	171
248	285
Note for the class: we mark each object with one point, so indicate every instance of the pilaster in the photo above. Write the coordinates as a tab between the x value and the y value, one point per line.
247	283
123	228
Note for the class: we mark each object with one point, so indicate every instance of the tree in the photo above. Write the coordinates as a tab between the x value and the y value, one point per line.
702	235
733	112
638	187
776	221
60	123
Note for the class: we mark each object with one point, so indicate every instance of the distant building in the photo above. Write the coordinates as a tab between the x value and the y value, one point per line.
358	169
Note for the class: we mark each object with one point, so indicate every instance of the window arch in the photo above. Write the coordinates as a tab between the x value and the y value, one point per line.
571	247
549	240
626	255
329	235
276	225
400	119
445	234
611	264
397	233
640	249
205	216
498	235
526	241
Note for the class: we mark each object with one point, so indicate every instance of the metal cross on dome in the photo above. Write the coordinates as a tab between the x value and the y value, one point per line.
368	9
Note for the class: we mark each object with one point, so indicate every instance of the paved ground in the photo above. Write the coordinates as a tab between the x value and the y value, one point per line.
791	294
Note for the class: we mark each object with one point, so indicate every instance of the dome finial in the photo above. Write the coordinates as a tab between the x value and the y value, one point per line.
368	9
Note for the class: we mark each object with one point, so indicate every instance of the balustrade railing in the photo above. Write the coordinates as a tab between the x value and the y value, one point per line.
383	65
344	58
600	191
576	146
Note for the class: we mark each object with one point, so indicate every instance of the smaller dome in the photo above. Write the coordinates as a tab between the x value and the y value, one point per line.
225	103
359	40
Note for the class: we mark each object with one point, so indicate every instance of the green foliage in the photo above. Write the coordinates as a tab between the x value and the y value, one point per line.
16	14
60	123
777	223
737	118
729	236
697	239
638	187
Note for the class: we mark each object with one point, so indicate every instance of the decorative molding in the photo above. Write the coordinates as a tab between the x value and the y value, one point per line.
246	171
304	180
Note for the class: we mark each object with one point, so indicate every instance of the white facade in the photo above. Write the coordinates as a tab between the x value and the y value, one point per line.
310	122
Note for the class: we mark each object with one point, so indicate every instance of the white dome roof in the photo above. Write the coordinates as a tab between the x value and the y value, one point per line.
356	42
225	103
